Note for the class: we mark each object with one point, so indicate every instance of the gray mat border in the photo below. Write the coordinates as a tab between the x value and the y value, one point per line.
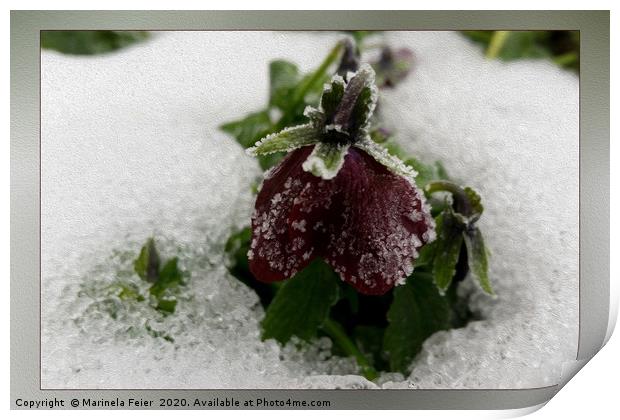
25	184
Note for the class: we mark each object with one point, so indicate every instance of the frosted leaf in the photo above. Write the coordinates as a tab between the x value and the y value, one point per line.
326	160
358	102
286	140
332	95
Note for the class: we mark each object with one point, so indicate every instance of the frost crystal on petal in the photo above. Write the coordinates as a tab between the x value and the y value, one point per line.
372	239
275	254
381	155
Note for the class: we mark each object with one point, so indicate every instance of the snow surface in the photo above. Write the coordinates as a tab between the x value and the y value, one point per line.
130	148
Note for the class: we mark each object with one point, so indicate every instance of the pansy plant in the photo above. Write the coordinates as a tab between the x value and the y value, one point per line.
338	195
340	201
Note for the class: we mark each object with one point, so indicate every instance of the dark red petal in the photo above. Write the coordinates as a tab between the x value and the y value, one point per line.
280	246
309	216
376	225
367	222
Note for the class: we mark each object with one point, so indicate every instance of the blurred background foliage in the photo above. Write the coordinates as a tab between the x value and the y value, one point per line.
89	42
562	47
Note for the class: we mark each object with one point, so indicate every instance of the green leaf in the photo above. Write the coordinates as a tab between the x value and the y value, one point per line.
129	292
147	264
167	305
427	254
267	161
418	311
286	140
283	78
522	44
89	42
326	160
446	248
249	129
302	304
157	334
169	277
477	259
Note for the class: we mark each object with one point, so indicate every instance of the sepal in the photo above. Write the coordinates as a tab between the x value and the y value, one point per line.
286	140
326	160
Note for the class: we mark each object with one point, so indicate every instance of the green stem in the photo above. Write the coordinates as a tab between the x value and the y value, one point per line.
497	43
300	94
336	332
461	201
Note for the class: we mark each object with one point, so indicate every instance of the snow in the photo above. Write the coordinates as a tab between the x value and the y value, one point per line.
130	148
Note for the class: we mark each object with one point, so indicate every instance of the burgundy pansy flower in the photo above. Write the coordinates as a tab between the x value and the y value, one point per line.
338	195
